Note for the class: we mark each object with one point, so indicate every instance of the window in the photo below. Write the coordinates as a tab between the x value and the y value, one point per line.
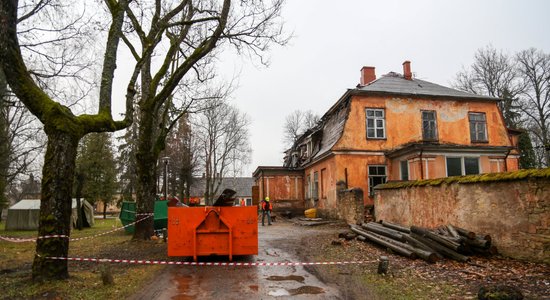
404	170
478	127
471	165
316	185
376	124
457	166
324	183
308	187
429	125
377	175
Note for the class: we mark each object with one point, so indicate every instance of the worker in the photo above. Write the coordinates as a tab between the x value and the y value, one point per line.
266	210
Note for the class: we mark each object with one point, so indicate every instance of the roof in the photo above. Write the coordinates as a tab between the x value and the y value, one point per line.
35	204
333	121
26	204
274	170
241	185
395	83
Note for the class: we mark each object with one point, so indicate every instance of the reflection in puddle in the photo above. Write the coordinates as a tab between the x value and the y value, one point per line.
307	289
300	279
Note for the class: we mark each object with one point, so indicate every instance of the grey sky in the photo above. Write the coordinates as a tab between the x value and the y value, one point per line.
334	39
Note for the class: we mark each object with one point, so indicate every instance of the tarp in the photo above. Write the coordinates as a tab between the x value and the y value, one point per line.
24	215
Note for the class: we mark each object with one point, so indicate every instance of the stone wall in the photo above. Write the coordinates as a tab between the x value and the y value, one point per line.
349	207
515	213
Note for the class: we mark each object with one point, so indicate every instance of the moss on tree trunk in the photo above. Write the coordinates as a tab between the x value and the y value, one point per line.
55	206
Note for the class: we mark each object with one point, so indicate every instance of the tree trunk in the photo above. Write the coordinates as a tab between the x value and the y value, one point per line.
55	206
147	175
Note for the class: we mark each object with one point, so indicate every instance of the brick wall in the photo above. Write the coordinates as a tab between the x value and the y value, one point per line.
349	206
515	213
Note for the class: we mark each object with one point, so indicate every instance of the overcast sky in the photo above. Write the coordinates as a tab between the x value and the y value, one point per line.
334	39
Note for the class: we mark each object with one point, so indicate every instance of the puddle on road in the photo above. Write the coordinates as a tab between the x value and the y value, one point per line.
300	279
253	287
183	283
306	289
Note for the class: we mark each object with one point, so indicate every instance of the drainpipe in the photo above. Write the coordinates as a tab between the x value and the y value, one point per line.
421	165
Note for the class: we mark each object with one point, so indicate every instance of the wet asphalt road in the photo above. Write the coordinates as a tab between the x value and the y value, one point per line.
276	244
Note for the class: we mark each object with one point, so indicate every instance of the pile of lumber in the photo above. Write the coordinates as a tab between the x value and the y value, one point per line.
430	245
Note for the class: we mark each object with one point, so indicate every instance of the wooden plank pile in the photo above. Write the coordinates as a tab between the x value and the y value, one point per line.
430	245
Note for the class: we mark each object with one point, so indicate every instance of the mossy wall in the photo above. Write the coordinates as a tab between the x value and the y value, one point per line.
514	208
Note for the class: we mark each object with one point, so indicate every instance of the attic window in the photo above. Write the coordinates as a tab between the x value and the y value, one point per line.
376	123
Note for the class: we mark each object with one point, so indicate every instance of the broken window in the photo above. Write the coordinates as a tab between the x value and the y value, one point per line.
429	125
376	124
377	175
404	170
458	166
478	127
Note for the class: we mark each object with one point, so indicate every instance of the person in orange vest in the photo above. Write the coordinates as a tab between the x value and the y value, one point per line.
266	210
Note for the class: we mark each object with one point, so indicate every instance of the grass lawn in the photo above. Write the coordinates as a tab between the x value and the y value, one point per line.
85	280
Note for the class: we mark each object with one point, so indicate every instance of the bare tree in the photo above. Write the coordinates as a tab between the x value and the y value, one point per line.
494	74
184	35
222	139
297	123
63	128
534	67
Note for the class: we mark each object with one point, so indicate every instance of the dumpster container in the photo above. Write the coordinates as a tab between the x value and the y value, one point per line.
128	215
212	230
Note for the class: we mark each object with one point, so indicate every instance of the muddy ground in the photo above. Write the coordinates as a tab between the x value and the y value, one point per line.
287	241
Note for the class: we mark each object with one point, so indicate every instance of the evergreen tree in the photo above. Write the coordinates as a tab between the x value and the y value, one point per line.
527	158
96	162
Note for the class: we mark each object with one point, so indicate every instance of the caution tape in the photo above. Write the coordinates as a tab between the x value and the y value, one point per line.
221	264
23	240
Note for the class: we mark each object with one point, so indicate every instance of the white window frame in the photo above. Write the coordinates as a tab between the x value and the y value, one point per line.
375	119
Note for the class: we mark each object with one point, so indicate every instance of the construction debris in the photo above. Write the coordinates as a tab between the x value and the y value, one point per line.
430	245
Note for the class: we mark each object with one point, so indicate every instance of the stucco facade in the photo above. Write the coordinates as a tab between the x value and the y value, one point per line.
399	128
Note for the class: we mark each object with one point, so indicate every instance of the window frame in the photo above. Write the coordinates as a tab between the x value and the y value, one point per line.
463	165
375	119
315	193
435	133
371	177
474	126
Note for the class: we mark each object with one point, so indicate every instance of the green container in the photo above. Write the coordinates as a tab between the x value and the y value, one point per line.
128	215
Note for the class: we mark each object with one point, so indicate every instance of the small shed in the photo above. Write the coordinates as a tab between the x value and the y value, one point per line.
24	215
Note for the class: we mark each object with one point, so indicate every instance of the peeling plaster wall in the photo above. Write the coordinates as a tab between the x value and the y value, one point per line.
404	122
515	213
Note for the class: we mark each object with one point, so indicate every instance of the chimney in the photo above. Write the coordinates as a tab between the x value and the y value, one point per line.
407	70
367	75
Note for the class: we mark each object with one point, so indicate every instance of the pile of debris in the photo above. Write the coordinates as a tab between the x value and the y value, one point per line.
430	245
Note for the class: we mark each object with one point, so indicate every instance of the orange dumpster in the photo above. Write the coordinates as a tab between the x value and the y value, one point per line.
212	230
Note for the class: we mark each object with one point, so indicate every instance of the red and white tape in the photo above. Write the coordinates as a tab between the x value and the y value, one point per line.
193	263
23	240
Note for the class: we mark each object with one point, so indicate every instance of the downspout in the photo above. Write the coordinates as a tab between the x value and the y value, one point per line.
421	165
262	197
